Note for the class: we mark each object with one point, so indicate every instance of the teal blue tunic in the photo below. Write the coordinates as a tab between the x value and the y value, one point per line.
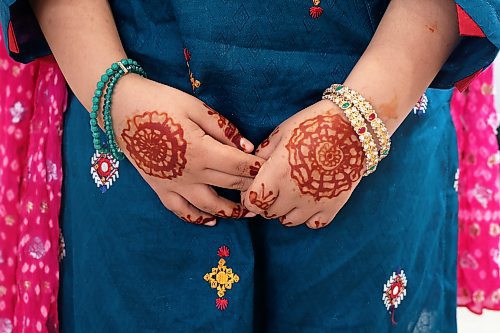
133	266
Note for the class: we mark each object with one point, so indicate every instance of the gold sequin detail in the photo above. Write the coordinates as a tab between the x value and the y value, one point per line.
221	278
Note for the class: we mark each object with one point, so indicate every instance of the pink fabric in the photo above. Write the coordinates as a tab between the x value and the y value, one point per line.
476	122
32	100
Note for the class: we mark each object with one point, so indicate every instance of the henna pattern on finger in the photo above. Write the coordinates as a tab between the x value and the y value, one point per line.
263	200
269	216
325	156
254	169
267	140
156	144
237	213
230	131
282	220
200	220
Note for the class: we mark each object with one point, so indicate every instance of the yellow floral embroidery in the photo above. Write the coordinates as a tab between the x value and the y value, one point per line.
221	278
195	84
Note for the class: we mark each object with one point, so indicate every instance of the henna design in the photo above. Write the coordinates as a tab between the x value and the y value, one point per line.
237	212
230	131
267	140
254	169
200	220
262	200
325	156
156	144
269	216
282	220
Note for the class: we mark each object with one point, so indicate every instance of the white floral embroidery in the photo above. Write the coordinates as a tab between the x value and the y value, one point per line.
17	112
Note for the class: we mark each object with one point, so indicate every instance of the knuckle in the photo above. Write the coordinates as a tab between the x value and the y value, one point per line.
238	184
241	167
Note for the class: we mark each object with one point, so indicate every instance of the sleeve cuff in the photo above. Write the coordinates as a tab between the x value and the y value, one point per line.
24	38
479	26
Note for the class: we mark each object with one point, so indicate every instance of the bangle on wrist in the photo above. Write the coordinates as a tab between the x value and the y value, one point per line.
105	160
361	129
366	109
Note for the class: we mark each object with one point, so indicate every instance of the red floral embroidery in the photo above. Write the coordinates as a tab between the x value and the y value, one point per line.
315	11
223	251
221	303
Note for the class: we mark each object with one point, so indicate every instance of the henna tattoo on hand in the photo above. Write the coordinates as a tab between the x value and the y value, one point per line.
325	156
230	131
237	213
254	169
262	200
200	220
156	144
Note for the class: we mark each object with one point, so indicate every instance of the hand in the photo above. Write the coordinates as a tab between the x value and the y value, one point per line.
314	162
182	148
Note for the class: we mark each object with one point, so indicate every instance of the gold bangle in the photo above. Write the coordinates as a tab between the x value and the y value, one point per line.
369	114
361	129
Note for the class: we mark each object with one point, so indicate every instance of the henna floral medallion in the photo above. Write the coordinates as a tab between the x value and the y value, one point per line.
325	156
156	144
222	278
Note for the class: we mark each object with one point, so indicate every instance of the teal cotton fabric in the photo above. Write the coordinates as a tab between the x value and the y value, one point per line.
132	266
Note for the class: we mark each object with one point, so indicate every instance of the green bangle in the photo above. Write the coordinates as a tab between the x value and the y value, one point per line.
105	161
99	94
108	126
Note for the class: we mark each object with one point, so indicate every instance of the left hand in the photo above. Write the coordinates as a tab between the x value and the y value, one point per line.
314	162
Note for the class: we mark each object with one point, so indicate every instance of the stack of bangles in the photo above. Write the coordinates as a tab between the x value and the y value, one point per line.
105	161
357	109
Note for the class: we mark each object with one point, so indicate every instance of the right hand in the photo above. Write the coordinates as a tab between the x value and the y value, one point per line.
182	148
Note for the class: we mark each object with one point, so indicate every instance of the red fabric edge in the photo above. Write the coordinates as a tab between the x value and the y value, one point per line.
13	47
465	82
466	25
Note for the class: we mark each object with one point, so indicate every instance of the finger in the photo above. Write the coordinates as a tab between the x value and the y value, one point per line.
319	220
185	211
230	160
206	199
298	216
223	180
220	128
266	147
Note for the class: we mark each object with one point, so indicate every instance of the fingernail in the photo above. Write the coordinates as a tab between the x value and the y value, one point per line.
250	214
210	221
246	145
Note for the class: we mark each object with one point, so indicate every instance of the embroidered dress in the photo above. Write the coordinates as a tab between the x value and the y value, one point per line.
132	266
32	101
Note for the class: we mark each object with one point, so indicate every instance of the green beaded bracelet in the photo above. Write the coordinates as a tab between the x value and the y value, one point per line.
105	161
108	126
124	66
